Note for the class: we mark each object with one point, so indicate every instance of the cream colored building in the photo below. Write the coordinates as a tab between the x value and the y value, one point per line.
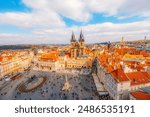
119	84
44	65
63	63
14	65
117	90
81	62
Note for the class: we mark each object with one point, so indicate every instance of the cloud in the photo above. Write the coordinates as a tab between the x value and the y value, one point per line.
99	32
48	13
45	20
13	39
107	7
32	20
73	9
134	8
6	38
93	33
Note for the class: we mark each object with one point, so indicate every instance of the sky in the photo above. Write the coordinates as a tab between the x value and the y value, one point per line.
52	21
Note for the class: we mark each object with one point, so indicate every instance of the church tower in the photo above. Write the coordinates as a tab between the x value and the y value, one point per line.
81	43
73	39
73	46
77	47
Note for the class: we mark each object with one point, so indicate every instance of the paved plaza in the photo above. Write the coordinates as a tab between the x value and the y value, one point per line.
82	87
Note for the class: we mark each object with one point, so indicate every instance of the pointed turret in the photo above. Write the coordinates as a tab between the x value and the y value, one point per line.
73	39
81	38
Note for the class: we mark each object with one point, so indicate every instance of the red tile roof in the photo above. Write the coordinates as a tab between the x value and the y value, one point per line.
118	74
138	77
141	95
148	72
1	58
53	56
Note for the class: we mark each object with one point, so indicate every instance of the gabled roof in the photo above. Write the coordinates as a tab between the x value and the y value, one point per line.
138	77
118	74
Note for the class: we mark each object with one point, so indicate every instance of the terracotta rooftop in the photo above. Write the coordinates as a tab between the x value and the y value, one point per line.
140	95
1	58
53	56
117	74
137	78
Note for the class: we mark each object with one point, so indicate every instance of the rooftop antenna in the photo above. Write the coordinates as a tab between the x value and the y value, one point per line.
122	41
145	37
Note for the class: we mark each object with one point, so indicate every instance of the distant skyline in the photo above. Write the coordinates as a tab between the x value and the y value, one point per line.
52	21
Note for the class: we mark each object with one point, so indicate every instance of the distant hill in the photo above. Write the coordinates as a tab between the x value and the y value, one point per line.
14	47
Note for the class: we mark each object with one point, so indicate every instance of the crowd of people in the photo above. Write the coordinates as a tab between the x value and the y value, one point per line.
83	88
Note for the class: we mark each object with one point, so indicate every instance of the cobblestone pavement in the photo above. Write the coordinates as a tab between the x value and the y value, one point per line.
83	87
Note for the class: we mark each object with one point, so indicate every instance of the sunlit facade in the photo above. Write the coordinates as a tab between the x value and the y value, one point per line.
123	70
14	63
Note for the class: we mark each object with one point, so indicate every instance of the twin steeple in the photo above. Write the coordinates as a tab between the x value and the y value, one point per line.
73	39
81	38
